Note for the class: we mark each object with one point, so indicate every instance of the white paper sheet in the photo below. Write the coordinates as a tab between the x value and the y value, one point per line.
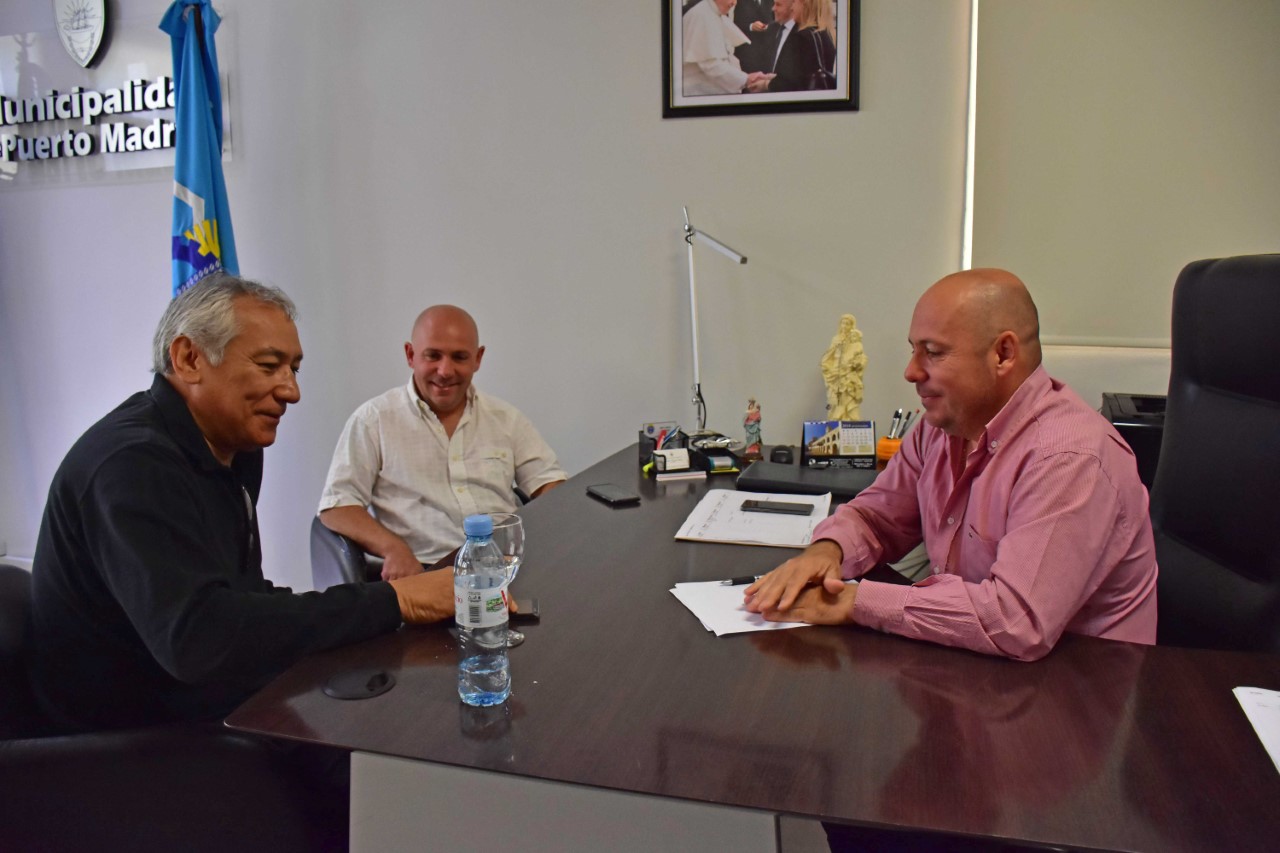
718	517
720	609
1262	707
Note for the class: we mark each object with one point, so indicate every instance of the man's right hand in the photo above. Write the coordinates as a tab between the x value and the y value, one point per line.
425	596
777	590
400	563
355	523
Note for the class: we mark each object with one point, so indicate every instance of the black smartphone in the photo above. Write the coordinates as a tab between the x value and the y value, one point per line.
613	495
777	506
527	610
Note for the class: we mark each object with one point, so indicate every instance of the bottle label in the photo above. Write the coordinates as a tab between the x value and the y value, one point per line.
479	608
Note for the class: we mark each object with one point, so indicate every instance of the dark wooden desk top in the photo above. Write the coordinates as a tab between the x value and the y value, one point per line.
1100	745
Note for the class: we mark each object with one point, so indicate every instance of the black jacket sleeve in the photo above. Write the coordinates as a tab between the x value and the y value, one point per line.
187	576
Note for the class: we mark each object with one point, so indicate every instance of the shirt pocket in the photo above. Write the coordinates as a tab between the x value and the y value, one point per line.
498	465
978	553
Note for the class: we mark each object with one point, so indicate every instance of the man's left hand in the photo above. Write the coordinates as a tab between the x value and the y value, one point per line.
426	596
830	603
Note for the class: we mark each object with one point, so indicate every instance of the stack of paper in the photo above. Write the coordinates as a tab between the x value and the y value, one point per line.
1262	707
719	608
718	517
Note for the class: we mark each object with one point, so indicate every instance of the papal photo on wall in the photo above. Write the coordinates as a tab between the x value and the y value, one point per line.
721	57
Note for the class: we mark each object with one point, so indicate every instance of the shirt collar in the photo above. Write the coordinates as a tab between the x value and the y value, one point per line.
1016	411
425	410
182	427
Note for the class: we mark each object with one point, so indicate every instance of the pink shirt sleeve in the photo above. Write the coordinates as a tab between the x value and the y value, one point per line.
883	522
1050	559
1039	527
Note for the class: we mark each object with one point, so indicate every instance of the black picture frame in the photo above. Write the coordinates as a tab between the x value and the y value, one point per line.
681	98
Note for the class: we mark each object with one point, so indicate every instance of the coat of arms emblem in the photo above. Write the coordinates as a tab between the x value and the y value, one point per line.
80	24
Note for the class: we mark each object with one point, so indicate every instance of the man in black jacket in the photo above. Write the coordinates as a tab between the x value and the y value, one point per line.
149	602
785	49
753	18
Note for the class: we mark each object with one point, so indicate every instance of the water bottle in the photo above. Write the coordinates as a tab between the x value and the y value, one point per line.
479	574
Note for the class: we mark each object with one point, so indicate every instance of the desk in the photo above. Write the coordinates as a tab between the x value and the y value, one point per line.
1099	745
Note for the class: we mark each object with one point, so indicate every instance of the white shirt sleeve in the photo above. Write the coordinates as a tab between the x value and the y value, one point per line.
708	40
535	461
356	462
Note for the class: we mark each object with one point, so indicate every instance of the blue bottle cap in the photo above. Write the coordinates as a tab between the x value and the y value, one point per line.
477	525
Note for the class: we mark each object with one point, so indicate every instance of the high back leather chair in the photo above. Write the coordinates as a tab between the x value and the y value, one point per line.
197	787
337	559
1215	502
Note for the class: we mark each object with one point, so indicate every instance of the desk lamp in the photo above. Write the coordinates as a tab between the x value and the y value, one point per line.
691	234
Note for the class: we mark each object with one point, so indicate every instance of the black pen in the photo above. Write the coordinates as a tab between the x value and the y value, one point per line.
742	580
893	427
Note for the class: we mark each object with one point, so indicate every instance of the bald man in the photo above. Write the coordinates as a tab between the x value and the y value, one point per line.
429	453
1027	500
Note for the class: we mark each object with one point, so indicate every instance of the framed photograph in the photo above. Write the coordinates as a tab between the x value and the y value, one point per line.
726	57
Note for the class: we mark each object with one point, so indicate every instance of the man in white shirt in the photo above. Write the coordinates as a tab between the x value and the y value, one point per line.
710	67
429	453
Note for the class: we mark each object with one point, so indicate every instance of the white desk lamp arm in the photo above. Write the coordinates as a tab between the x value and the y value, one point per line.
690	233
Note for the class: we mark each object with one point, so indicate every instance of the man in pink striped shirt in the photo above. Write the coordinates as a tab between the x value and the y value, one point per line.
1027	500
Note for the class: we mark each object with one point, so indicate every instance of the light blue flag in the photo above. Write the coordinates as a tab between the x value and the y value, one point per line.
203	241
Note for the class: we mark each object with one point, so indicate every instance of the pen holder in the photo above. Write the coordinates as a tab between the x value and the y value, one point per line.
647	445
885	448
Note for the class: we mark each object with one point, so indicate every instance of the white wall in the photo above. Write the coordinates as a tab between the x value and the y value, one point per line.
1119	140
510	157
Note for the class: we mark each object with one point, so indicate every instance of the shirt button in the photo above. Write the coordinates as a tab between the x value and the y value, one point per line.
937	570
951	520
994	444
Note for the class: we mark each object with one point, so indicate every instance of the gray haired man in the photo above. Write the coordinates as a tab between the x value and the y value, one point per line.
149	602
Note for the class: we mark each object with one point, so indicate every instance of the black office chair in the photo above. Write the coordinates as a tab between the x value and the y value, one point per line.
185	787
1215	502
337	559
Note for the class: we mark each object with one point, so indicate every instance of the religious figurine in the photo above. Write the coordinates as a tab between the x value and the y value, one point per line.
842	368
751	423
